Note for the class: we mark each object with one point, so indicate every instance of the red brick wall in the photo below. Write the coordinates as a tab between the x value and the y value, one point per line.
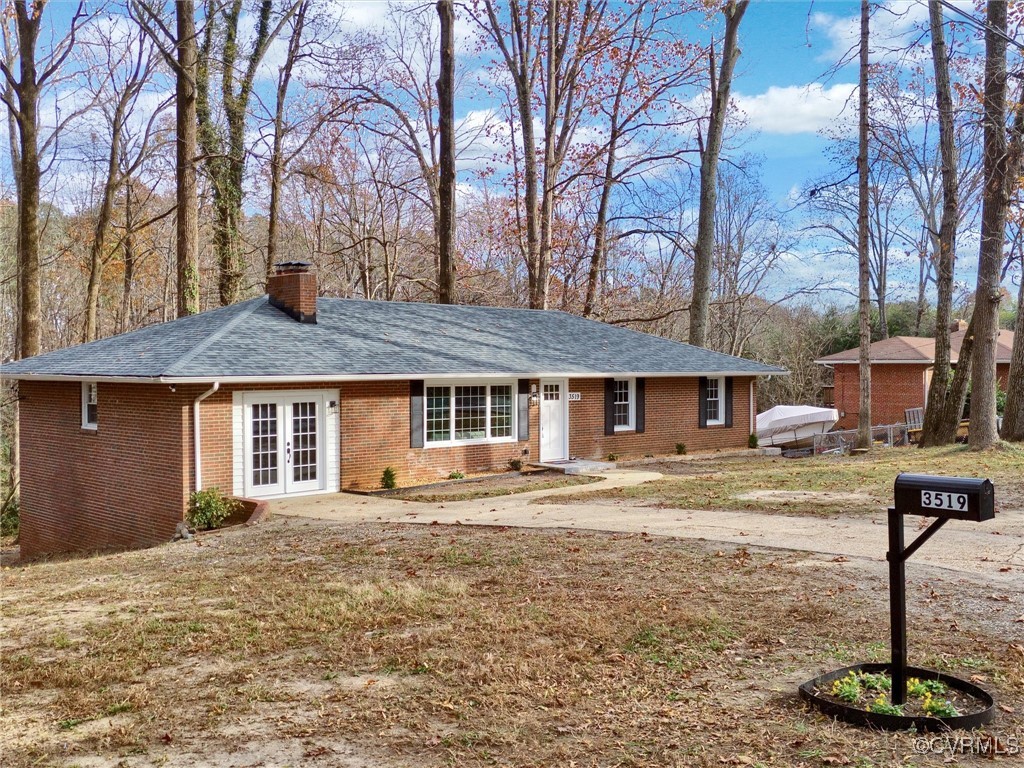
122	485
374	422
671	416
375	435
894	388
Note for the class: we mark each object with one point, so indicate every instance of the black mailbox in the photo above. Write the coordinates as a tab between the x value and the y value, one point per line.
954	498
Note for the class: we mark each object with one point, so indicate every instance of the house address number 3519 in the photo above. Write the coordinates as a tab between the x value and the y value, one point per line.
942	500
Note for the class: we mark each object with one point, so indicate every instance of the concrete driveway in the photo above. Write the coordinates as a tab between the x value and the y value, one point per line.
994	548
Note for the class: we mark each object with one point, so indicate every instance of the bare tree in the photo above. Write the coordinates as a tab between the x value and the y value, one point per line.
864	272
224	145
710	149
22	97
1001	166
124	67
180	51
277	154
938	390
446	181
546	49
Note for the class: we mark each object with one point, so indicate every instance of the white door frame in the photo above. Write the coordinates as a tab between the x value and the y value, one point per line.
325	441
564	399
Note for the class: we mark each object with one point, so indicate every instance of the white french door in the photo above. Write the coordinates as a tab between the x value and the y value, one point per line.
554	411
284	443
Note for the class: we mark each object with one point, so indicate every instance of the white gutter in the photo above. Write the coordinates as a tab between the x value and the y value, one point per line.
197	435
316	378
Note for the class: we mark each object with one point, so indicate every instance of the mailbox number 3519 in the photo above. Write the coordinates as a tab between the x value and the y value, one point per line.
940	500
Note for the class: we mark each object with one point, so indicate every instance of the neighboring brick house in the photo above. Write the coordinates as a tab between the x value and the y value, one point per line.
288	395
901	373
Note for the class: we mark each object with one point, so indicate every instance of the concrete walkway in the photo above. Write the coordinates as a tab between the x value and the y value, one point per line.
993	548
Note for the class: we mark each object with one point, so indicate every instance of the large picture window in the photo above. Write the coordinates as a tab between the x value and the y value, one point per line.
465	413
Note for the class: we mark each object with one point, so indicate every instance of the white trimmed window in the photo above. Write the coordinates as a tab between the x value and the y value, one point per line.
90	403
468	412
624	404
714	409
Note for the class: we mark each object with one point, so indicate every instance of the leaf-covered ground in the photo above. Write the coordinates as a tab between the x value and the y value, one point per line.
304	643
824	485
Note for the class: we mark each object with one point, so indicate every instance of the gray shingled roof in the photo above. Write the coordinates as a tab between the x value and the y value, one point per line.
367	339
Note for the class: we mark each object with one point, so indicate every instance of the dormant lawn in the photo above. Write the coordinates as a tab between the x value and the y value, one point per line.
306	643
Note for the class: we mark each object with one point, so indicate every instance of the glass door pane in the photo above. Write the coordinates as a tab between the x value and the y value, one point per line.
264	445
304	448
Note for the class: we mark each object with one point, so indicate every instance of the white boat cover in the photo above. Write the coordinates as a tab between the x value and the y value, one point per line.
787	418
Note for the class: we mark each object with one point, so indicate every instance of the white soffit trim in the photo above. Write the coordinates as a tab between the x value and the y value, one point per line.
389	377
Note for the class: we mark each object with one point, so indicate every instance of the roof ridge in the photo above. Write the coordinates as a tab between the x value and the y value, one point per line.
220	332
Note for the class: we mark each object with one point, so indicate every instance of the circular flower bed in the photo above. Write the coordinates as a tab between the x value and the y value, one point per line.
862	694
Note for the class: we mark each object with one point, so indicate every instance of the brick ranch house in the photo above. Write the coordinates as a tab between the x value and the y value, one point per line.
286	395
901	373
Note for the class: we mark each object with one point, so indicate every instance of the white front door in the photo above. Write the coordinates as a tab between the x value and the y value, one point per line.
284	436
554	437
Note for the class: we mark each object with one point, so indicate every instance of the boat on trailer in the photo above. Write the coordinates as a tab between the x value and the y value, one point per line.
794	426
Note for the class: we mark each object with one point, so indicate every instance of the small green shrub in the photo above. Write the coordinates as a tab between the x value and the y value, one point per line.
922	688
680	449
613	457
847	688
455	475
938	707
752	440
882	706
389	478
209	508
516	465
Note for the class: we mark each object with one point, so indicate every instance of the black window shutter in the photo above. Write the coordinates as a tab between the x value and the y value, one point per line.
523	404
415	414
702	402
609	406
641	387
728	401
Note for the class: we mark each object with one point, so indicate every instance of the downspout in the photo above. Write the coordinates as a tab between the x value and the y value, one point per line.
196	434
753	416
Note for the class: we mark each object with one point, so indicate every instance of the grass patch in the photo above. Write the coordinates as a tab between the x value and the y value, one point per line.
820	486
496	486
447	645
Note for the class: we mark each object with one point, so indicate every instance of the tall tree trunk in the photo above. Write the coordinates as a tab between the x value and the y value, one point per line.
90	330
710	151
446	181
953	409
277	159
864	417
939	387
187	215
994	204
1013	417
27	23
129	260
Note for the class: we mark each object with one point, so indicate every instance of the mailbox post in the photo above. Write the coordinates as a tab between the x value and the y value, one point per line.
944	498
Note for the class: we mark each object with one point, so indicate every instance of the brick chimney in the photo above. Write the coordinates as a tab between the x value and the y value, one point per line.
292	289
958	325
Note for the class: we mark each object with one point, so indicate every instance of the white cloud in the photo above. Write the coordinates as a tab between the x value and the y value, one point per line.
796	108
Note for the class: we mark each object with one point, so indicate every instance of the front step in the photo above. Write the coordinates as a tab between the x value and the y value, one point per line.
577	466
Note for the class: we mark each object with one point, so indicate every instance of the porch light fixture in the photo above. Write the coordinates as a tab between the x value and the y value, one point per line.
534	397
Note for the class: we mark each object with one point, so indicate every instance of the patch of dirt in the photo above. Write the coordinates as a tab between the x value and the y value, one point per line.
805	496
310	643
494	485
